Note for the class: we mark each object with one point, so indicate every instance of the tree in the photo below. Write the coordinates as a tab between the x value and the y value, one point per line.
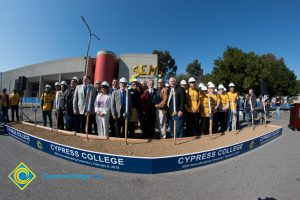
247	69
166	64
194	70
298	87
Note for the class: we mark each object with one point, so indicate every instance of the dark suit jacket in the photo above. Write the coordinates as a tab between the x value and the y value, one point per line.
180	100
253	100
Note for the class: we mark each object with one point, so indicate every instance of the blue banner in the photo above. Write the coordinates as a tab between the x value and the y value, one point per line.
143	165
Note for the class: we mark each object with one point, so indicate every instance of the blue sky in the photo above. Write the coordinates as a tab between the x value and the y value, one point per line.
34	31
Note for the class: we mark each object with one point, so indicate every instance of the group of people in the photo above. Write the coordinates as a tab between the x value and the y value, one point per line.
143	106
9	101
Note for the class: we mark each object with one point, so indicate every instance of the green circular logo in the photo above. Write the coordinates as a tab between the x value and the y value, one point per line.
39	145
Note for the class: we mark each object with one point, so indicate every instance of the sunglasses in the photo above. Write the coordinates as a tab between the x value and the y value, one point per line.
192	82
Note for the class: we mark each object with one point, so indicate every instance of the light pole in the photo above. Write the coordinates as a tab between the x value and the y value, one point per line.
89	43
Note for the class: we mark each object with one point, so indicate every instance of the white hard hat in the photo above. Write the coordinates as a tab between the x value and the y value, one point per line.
221	87
225	90
183	82
201	85
75	78
134	80
192	79
203	88
123	80
63	83
104	83
231	85
48	86
216	90
211	85
56	83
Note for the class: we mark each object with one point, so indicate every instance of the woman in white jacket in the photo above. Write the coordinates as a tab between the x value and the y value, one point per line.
102	108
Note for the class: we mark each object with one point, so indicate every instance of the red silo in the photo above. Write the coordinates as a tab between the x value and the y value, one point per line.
106	66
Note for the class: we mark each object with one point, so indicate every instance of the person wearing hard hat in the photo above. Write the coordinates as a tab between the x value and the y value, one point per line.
167	85
121	106
71	121
57	93
233	98
183	84
222	109
5	105
160	101
215	102
177	110
102	108
83	104
192	108
204	111
14	99
200	86
62	105
47	105
135	108
57	86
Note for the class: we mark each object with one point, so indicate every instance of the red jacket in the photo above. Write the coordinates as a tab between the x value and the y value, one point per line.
145	101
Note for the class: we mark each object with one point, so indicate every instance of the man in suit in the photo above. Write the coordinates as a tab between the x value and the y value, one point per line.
176	111
112	125
118	106
82	104
135	108
152	109
114	85
71	121
160	105
253	99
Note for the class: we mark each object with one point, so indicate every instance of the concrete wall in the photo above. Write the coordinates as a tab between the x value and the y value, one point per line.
128	61
46	72
49	72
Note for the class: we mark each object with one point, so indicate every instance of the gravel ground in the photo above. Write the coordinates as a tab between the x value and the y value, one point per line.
153	148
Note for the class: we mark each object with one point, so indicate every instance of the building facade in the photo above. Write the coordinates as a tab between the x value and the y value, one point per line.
38	75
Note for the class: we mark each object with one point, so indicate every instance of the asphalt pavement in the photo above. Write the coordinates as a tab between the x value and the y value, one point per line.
269	172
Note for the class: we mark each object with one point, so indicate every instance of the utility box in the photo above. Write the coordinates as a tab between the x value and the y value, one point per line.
295	116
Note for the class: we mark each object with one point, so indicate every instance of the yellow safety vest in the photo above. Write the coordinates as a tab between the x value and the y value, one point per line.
47	99
4	102
232	96
192	100
14	99
223	100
